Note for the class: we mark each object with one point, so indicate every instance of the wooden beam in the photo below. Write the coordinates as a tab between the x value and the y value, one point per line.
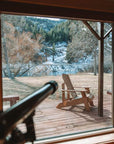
92	30
113	74
107	33
54	11
97	5
1	100
101	68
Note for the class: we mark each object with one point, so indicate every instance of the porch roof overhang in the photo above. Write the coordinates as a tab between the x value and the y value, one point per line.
99	10
98	5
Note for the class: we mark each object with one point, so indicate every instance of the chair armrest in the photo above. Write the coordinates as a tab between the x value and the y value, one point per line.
82	87
74	90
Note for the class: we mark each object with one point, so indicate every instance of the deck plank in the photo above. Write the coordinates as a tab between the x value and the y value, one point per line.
50	121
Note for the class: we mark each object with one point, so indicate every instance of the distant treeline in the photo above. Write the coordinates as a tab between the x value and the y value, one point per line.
27	40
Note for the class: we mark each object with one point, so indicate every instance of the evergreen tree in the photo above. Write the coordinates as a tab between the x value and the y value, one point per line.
59	33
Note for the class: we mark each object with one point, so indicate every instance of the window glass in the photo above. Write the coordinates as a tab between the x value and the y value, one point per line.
36	50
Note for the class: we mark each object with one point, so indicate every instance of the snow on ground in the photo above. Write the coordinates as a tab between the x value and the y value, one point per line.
60	64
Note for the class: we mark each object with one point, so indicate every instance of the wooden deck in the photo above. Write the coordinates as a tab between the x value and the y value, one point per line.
50	121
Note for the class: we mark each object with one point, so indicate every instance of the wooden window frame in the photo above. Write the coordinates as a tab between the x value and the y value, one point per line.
67	12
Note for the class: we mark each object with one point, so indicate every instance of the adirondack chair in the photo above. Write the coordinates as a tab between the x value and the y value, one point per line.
72	97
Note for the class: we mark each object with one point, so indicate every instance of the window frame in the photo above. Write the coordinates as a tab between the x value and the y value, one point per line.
84	136
67	13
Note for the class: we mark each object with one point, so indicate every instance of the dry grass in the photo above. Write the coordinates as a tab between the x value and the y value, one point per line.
23	86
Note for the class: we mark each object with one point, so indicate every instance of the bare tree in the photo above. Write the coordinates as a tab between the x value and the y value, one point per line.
83	43
18	50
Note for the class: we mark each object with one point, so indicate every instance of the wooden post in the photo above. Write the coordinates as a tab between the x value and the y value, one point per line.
101	67
113	74
1	100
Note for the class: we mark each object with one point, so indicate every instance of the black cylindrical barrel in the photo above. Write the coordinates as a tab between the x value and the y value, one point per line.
21	110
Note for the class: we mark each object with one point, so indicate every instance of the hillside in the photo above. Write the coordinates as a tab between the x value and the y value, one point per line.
34	46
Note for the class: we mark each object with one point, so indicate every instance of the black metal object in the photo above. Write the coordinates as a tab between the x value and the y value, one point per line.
23	111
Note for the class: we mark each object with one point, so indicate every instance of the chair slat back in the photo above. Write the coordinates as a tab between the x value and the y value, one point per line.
69	85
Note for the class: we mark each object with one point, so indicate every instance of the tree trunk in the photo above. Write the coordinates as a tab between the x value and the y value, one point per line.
6	59
53	58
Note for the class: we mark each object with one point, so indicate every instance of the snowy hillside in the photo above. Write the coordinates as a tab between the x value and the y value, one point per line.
60	64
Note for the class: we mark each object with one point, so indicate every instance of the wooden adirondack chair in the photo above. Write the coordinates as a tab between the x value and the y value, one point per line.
72	97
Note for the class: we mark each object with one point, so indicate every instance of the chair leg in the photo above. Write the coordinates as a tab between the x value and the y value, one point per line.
86	105
85	101
59	106
91	102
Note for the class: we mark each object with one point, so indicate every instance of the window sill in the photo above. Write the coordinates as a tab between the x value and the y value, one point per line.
99	137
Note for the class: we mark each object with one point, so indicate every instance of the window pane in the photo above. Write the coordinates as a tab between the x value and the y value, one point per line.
36	50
